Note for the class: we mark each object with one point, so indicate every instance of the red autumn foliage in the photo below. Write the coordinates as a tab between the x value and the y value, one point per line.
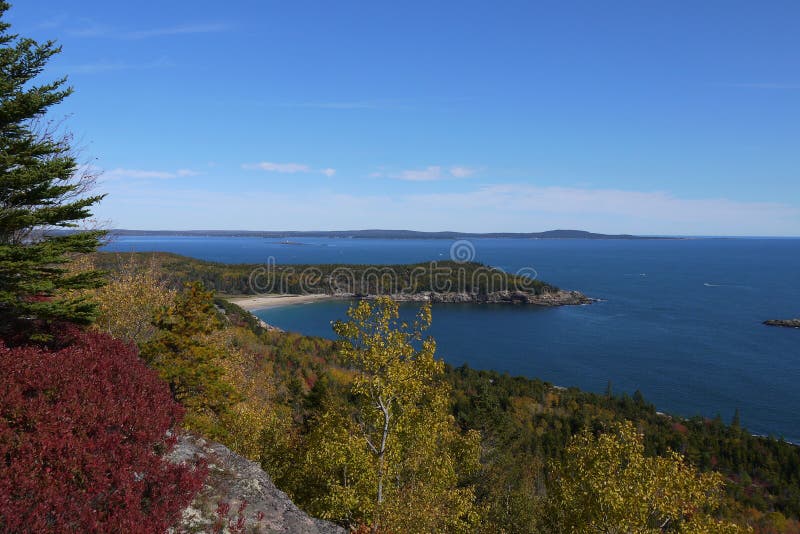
677	427
82	433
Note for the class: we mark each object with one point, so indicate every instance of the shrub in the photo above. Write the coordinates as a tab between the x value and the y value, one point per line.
83	431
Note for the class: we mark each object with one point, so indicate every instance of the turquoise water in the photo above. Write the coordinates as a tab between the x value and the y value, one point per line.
680	320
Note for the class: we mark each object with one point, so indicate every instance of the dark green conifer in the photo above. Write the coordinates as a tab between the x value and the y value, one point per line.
41	190
736	422
185	358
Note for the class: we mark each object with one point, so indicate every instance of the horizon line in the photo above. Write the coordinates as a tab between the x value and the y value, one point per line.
510	234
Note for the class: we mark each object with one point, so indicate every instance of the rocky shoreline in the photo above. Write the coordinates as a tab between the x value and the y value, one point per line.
547	298
787	323
556	298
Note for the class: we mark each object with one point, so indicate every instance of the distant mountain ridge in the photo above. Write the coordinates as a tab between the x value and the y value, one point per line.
386	234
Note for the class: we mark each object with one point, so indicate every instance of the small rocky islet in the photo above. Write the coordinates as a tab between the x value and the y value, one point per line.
786	323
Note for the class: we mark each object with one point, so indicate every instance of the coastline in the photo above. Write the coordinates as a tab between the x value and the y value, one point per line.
262	302
558	298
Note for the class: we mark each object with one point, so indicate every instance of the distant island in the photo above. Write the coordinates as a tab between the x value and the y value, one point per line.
385	234
788	323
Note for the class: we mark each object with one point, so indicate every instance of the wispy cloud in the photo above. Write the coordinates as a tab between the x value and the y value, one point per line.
777	86
91	29
100	30
269	166
110	66
287	168
430	173
388	103
178	30
638	209
462	172
54	21
502	207
120	173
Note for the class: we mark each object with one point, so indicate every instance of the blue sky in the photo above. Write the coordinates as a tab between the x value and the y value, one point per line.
637	116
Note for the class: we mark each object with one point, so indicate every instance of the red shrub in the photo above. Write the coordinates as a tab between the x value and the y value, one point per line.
82	433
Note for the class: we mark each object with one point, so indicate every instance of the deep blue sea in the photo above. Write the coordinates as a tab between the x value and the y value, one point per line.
680	320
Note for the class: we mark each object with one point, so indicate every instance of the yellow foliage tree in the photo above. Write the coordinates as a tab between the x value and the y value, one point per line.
395	463
244	420
338	479
128	303
606	484
257	425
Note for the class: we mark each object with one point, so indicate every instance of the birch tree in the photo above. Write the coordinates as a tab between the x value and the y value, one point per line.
415	455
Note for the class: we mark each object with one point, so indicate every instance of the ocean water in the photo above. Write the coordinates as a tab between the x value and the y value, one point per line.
679	320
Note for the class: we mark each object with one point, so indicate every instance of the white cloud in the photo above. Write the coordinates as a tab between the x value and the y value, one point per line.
462	172
432	173
287	168
428	174
120	173
269	166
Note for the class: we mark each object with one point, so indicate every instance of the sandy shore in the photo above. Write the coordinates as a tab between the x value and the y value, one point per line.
261	302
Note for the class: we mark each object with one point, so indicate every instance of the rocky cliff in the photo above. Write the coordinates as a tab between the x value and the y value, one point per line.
233	480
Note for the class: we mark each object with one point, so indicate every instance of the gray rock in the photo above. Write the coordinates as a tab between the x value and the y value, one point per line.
560	297
233	479
788	323
554	298
266	326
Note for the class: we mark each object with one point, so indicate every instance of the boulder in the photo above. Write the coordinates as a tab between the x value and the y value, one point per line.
233	480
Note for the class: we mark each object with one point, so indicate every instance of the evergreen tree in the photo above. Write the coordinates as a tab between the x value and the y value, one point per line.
186	358
736	422
40	190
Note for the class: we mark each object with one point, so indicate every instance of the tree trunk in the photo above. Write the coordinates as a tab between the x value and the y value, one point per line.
381	459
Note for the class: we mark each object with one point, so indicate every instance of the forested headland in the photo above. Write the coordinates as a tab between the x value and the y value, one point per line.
271	278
